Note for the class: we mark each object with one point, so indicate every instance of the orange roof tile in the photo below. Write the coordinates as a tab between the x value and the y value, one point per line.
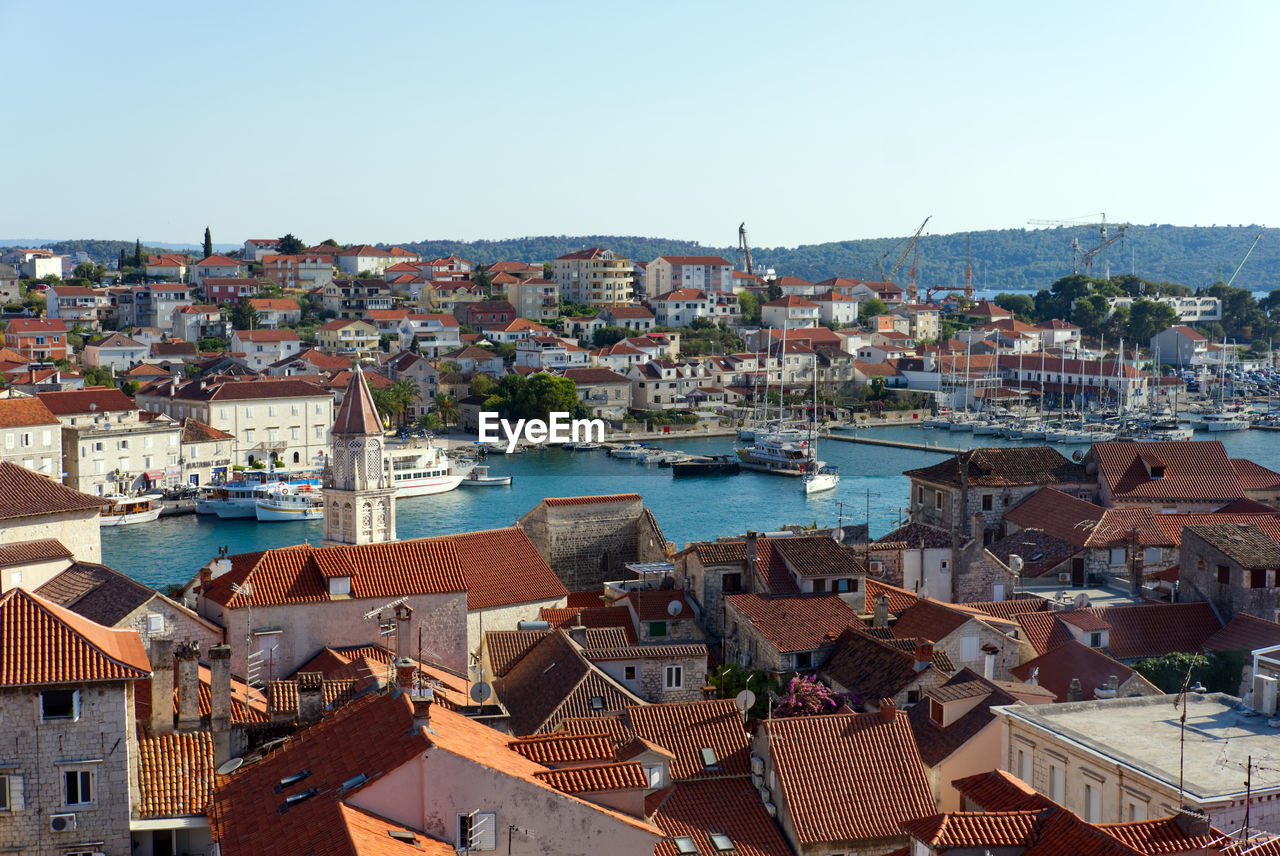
804	623
43	643
175	774
729	806
21	412
559	748
1071	659
367	834
974	829
503	568
1146	630
685	728
599	777
1192	469
557	502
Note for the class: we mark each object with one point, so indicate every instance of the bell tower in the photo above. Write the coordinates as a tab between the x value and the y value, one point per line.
359	498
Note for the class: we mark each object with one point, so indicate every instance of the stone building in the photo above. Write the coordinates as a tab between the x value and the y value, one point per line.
990	482
659	674
1234	566
590	539
708	572
30	435
70	690
360	505
663	616
985	643
784	634
44	526
870	665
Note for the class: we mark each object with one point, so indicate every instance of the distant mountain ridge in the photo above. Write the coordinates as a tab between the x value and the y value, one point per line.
1016	259
1012	259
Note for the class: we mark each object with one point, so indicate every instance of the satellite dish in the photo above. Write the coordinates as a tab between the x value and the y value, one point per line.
745	700
1081	601
675	607
480	692
229	767
1077	456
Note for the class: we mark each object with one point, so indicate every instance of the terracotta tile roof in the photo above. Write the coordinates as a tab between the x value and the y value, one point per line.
721	552
599	777
266	335
198	432
245	811
1243	543
685	728
1192	469
553	680
219	261
96	592
646	652
367	834
1254	476
917	536
1173	524
366	664
1117	528
175	774
561	749
503	568
803	623
612	725
1071	659
35	326
900	600
1000	467
297	574
274	304
871	668
506	647
676	261
1000	791
43	643
773	570
21	412
1146	630
249	389
284	694
1007	609
819	556
558	502
1244	632
95	399
656	605
585	598
728	806
1041	553
848	777
40	550
962	829
1162	835
248	704
929	619
1059	514
593	618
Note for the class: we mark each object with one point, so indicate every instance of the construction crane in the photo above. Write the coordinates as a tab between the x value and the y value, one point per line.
745	248
912	244
1085	258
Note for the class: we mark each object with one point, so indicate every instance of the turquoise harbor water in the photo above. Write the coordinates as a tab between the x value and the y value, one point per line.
169	551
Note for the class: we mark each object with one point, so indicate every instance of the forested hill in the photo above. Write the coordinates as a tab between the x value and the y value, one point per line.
1002	259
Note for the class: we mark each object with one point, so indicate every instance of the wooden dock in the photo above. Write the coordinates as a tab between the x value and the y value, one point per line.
895	444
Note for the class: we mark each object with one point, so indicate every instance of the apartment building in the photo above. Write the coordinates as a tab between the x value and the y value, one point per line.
37	338
352	298
595	277
75	304
154	304
706	273
32	435
535	299
217	266
261	348
365	260
306	270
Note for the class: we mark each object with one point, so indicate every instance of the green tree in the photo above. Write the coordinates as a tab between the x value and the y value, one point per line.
606	336
1089	314
548	270
330	242
291	246
871	307
122	263
1117	325
1021	305
138	260
1218	671
447	408
772	292
482	384
749	306
395	400
242	315
208	242
428	422
1147	318
90	271
480	276
98	376
535	397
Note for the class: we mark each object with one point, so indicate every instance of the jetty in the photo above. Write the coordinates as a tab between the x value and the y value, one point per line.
896	444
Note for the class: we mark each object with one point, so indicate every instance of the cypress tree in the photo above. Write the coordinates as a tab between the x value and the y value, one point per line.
208	243
121	262
137	252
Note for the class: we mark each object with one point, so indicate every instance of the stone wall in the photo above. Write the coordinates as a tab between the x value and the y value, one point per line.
1198	580
650	677
77	530
978	576
180	624
101	741
481	621
589	543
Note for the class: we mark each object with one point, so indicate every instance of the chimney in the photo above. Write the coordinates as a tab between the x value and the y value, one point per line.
220	702
751	558
310	697
989	661
888	709
578	632
882	611
422	699
977	527
404	616
1193	823
1136	569
188	678
161	686
1075	692
405	669
923	655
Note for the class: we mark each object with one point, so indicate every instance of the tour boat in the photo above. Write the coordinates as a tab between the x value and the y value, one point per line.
281	502
708	465
1226	420
239	499
781	457
479	477
824	478
127	510
424	470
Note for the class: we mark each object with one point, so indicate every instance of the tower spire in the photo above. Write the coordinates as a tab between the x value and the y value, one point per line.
359	497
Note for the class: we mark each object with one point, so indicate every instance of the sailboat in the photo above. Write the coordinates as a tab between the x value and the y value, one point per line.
818	478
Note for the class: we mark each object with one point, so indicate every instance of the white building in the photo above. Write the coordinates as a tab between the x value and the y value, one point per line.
434	332
366	260
705	273
834	307
1191	310
679	308
32	435
218	266
261	348
256	249
117	352
791	312
1181	346
594	277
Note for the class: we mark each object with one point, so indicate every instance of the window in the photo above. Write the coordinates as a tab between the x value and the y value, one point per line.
1258	578
26	439
155	622
4	794
969	648
77	787
1024	766
60	704
1117	556
657	628
685	845
248	435
937	499
653	774
1092	804
271	411
675	677
1151	556
731	583
1095	639
819	586
987	502
935	710
628	673
1224	574
477	831
1055	783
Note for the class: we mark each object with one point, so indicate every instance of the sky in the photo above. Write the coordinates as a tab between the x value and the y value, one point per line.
811	122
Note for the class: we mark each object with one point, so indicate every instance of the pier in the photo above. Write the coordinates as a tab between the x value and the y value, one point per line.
896	444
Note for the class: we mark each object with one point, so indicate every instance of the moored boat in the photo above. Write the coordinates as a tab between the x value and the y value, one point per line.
706	466
423	470
824	478
282	502
128	510
631	451
479	477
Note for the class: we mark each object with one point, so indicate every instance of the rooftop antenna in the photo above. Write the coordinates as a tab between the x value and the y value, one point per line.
1182	727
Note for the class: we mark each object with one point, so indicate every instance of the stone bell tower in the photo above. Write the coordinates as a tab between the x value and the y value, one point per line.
359	498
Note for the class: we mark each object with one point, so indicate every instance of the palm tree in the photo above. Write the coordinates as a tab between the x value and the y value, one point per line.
428	422
395	400
447	407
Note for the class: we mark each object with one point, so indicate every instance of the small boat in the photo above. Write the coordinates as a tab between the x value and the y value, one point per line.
825	478
1226	420
128	510
711	465
479	477
284	502
587	447
423	470
631	451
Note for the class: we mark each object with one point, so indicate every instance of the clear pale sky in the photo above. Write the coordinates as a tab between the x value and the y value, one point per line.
810	121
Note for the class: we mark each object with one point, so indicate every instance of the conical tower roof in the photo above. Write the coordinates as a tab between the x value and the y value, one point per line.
357	415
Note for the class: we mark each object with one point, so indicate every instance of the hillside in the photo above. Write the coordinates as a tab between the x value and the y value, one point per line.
1003	259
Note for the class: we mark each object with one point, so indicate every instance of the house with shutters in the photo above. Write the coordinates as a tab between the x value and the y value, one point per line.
1234	566
784	634
30	435
274	312
264	347
217	266
43	339
44	527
